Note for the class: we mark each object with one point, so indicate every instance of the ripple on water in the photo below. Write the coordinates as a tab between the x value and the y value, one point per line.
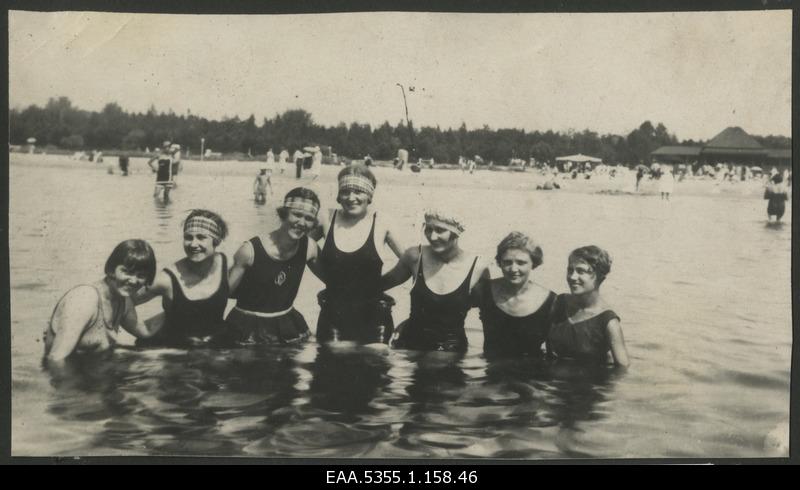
759	381
319	438
28	286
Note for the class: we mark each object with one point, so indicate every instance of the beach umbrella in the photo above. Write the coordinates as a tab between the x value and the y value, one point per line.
579	158
312	149
756	169
31	140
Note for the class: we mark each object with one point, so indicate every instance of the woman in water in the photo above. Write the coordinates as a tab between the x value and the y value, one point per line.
515	310
445	276
583	326
777	195
352	306
266	275
194	290
165	179
87	318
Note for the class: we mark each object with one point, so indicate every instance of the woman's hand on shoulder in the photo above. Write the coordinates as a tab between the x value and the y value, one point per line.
161	285
481	272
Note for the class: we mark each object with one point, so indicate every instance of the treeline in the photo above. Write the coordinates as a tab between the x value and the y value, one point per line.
60	124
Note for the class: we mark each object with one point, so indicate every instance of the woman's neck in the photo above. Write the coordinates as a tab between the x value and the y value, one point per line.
106	290
202	268
449	255
348	219
283	241
510	289
587	300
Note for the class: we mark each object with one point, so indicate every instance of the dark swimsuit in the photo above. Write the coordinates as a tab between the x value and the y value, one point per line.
187	319
776	206
508	335
585	340
352	305
264	313
437	320
164	172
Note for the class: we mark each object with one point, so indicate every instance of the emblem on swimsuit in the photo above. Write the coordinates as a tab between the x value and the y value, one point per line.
280	279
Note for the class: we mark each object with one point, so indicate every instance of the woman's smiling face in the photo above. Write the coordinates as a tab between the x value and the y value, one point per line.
198	246
581	277
516	265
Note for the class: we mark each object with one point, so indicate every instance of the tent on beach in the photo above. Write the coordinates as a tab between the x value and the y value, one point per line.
579	158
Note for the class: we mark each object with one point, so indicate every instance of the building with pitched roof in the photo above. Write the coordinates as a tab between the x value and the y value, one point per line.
733	145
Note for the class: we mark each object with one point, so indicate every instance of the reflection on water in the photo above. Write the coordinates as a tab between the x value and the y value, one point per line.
707	324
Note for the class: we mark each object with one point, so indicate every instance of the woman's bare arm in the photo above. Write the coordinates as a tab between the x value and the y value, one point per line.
76	311
617	341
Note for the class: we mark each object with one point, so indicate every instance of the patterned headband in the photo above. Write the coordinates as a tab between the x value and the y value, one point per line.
301	204
448	222
357	183
203	225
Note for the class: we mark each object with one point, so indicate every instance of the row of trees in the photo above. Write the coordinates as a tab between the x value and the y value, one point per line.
61	124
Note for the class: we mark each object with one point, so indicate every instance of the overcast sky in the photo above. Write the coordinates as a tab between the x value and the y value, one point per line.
695	72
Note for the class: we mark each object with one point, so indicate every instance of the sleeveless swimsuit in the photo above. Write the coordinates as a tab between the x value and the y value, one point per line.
586	340
437	320
98	328
352	305
186	318
264	313
164	172
508	335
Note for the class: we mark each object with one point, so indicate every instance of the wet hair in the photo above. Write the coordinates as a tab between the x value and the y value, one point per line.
777	178
360	170
136	256
302	193
205	213
596	257
521	241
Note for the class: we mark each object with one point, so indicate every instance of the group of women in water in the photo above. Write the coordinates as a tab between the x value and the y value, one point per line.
519	316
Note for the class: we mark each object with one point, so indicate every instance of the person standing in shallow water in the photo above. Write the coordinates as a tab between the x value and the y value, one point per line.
352	306
87	318
515	311
777	195
583	326
444	278
193	290
266	276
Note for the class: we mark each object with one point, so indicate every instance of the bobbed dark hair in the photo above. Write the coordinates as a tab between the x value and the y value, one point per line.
136	256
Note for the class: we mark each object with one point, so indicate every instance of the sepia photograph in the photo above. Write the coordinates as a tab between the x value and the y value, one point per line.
401	235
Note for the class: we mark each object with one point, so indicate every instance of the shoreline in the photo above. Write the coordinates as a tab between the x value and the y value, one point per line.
482	178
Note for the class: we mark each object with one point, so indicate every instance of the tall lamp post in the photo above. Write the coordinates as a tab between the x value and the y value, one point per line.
408	122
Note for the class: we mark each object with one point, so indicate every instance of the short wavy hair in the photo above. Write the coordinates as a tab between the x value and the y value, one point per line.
521	241
596	257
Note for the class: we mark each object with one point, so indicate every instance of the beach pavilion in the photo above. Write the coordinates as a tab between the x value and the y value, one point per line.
733	145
